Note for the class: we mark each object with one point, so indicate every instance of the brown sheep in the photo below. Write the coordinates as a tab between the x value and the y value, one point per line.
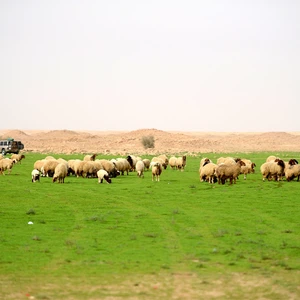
18	157
231	172
274	170
6	164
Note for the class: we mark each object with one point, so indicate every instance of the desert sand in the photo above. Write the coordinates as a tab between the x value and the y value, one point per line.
129	142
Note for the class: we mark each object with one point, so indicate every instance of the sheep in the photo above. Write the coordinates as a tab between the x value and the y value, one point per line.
165	159
146	162
271	158
292	172
132	161
181	162
39	164
140	167
18	157
110	167
73	165
207	172
90	157
173	162
50	158
273	170
122	165
6	164
231	172
226	160
156	171
204	161
60	173
48	168
248	168
35	175
160	160
86	169
102	174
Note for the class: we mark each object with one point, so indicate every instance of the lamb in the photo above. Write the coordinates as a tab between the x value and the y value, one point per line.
146	162
207	172
231	172
6	164
273	170
156	171
102	174
292	172
140	167
35	175
60	173
90	157
248	168
181	162
18	157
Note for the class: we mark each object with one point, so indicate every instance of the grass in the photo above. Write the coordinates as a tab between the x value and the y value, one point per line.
138	239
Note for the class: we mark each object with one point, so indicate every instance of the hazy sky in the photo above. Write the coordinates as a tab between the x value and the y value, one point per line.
217	65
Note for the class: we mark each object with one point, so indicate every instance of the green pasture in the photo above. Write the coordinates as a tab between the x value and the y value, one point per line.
137	239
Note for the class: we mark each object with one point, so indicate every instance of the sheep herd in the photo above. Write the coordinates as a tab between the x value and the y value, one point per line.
225	169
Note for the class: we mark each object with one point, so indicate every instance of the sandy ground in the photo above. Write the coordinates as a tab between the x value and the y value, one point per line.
125	142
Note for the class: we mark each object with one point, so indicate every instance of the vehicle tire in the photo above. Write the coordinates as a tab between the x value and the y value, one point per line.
3	152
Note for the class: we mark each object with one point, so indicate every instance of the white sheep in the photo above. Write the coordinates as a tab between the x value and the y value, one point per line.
48	167
231	172
35	175
165	159
226	160
122	165
102	174
181	162
60	173
272	169
156	171
140	167
272	158
173	162
159	160
146	162
207	172
110	167
248	168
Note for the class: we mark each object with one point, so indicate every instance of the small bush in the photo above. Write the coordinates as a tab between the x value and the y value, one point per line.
148	141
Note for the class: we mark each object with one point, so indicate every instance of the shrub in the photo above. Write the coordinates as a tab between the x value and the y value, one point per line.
148	141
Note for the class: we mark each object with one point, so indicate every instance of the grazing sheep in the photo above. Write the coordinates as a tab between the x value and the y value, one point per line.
231	172
39	164
102	174
248	168
204	161
86	169
6	164
165	159
274	170
132	161
48	168
90	157
122	165
207	172
226	160
140	167
292	172
181	163
146	162
109	167
159	160
60	173
173	162
35	175
73	165
156	171
18	157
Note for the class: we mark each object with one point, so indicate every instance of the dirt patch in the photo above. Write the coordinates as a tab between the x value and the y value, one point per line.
67	141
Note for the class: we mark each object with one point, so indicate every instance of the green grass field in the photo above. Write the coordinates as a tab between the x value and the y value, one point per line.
137	239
